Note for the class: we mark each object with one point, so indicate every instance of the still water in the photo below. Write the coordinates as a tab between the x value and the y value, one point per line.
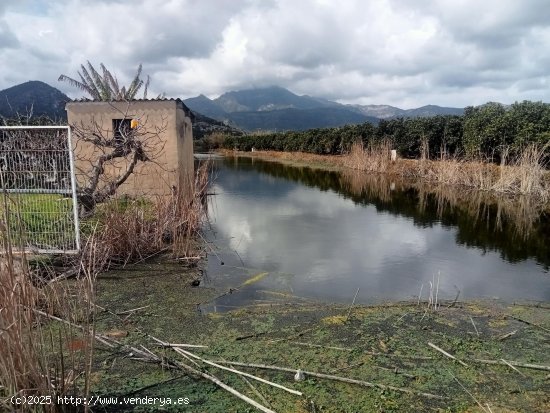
323	234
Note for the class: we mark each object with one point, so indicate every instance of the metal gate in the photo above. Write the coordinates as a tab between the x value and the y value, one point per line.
39	205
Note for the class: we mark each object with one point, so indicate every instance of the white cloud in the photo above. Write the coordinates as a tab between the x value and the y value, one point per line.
379	51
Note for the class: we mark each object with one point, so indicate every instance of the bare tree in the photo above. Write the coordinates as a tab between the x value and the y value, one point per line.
107	155
106	158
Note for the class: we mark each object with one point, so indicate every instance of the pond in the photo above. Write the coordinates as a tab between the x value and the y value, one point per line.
296	231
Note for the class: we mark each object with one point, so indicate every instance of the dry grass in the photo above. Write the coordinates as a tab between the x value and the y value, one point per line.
44	358
521	212
526	174
372	157
439	178
134	229
36	359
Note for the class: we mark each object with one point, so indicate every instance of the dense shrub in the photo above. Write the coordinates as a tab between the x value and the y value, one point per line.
485	131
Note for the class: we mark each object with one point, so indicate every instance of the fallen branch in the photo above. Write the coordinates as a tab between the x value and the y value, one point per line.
185	356
474	324
337	378
513	363
512	367
529	323
149	356
352	303
242	373
102	339
467	391
507	335
446	354
471	360
299	343
189	258
182	345
73	272
255	390
132	310
108	341
400	356
224	386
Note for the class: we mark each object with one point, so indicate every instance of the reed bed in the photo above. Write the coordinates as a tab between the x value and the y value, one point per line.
39	357
524	174
38	361
521	213
131	230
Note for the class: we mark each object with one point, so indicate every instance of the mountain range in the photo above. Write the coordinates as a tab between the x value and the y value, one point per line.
276	108
272	108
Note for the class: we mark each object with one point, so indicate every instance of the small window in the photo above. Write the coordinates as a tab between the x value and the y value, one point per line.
121	129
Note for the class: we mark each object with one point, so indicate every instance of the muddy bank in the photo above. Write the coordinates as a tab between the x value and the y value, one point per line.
384	345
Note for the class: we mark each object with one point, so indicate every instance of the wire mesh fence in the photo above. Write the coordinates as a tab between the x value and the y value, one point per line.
38	206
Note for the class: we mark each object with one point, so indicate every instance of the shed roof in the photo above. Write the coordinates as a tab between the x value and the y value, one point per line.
178	101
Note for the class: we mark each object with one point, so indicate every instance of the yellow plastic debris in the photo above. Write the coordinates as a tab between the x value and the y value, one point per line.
255	278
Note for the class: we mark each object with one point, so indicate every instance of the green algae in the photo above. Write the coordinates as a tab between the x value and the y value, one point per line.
377	344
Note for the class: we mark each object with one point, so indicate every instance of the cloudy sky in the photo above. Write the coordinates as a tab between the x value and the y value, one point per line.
400	52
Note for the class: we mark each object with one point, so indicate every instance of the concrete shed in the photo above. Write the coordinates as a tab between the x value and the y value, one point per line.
163	124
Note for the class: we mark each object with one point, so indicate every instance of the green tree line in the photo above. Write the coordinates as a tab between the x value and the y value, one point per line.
483	131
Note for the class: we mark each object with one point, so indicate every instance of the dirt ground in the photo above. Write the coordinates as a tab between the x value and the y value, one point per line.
386	346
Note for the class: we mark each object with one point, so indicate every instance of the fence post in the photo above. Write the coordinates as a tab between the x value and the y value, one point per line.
73	190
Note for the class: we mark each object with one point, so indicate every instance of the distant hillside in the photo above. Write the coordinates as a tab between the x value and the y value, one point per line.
272	108
205	106
298	119
34	97
203	126
276	108
391	112
379	111
432	110
267	99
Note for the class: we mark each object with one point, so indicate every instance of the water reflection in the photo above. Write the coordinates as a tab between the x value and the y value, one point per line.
324	234
517	228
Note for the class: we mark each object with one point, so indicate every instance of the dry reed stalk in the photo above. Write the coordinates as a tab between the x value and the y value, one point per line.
336	378
521	213
525	174
35	359
446	354
241	373
132	230
374	157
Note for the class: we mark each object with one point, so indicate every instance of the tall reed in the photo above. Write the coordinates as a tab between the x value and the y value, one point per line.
48	358
37	358
524	174
372	157
133	229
